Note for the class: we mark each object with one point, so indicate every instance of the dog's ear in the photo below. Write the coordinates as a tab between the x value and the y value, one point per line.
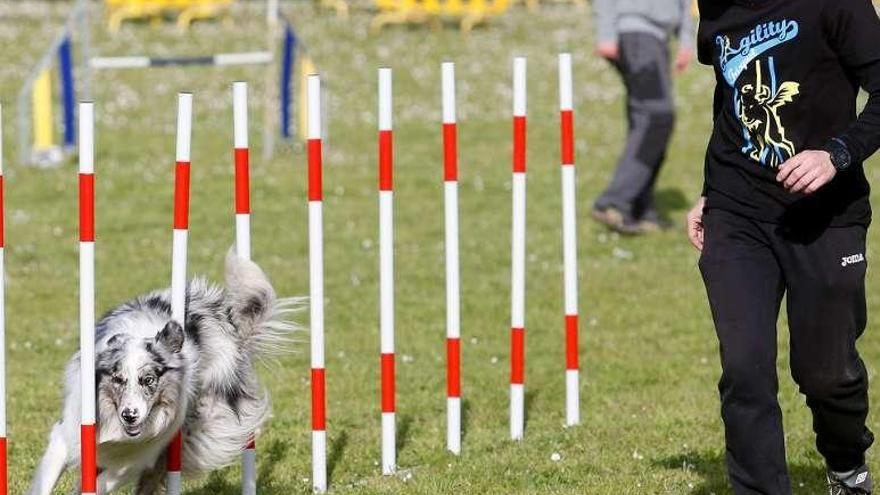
171	337
116	340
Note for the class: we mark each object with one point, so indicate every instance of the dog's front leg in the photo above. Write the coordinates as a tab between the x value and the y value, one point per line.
53	463
152	481
107	482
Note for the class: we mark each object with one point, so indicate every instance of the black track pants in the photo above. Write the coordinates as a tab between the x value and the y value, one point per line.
747	266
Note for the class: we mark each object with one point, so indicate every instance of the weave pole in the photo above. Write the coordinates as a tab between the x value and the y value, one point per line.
569	242
386	272
453	293
518	254
178	255
241	154
4	478
316	285
88	440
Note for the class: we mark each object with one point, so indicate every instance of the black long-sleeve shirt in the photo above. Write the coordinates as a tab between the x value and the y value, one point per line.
788	77
862	137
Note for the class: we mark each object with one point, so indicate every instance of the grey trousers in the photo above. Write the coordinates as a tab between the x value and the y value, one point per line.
645	68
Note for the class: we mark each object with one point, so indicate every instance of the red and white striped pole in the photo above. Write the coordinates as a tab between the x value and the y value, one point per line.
569	242
316	285
88	440
518	254
243	238
453	294
242	174
178	255
386	272
4	479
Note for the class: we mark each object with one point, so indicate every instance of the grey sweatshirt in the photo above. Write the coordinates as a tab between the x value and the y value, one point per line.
657	17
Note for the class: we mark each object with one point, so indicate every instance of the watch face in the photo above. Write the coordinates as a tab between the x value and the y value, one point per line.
840	156
841	159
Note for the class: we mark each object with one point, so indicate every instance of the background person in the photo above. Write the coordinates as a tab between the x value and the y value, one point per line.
634	35
785	211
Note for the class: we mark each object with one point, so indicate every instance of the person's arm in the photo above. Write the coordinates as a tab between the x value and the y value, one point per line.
685	37
686	27
717	107
853	28
862	137
854	32
605	13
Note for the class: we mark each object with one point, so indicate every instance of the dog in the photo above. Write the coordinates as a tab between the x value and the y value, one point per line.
154	378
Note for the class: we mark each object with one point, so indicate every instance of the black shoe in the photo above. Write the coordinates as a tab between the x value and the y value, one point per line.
617	221
855	482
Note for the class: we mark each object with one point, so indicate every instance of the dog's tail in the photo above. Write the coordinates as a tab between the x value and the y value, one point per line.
264	322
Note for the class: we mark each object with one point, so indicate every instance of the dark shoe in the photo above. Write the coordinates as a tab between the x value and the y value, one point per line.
855	482
615	220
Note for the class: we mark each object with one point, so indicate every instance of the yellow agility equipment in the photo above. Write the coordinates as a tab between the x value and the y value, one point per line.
535	5
339	6
42	112
306	68
187	11
469	13
44	150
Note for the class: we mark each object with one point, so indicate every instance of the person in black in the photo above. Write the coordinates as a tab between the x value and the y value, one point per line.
785	211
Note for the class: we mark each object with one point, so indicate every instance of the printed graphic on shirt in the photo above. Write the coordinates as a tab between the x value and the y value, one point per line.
735	60
758	94
758	109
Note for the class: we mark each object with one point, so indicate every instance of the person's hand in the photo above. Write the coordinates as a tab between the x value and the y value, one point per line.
806	172
683	60
695	224
609	50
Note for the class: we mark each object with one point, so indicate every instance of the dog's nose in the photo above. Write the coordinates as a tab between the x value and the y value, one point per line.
129	415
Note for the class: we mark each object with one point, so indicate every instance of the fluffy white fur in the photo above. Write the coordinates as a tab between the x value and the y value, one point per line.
154	378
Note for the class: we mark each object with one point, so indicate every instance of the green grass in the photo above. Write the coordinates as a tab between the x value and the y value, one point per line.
649	354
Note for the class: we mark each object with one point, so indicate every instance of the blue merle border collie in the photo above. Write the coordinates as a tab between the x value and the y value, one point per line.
154	378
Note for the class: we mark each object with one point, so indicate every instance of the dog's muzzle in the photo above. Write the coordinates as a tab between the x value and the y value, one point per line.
130	422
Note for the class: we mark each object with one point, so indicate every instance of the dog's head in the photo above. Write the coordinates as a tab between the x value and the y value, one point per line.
140	380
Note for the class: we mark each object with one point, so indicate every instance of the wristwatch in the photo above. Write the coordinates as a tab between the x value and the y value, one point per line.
840	156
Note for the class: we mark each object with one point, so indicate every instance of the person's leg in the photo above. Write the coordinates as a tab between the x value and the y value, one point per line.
744	285
644	66
654	150
827	314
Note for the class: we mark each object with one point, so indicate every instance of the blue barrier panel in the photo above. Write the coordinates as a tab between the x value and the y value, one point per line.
286	79
68	95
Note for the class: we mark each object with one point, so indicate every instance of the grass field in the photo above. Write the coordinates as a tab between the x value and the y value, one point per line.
648	351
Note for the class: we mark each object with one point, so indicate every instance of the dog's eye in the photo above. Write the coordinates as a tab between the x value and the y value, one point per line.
149	380
117	380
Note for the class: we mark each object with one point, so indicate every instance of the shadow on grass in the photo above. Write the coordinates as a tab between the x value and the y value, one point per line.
269	455
403	431
528	400
671	199
465	417
710	466
337	447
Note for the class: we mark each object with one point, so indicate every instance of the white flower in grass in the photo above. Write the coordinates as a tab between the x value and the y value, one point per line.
622	253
